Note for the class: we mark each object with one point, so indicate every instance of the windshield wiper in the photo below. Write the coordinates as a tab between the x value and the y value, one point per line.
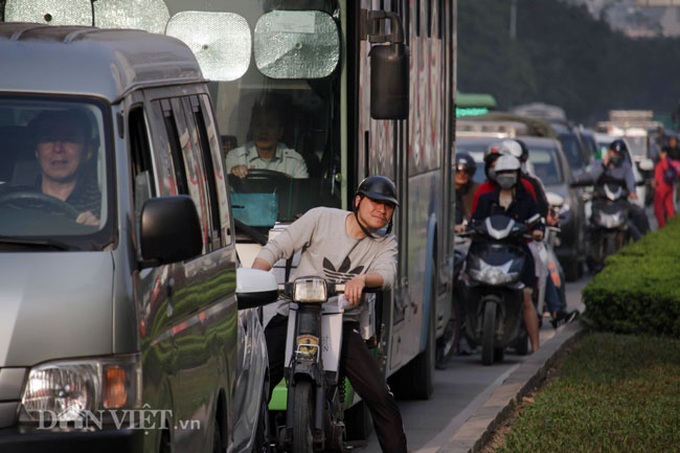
34	243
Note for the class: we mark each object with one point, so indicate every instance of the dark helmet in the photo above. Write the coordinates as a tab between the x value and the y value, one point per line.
378	188
490	155
619	147
465	162
525	151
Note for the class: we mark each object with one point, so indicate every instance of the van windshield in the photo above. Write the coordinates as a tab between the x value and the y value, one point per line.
52	174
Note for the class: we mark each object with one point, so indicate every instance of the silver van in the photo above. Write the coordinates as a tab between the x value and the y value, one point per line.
120	328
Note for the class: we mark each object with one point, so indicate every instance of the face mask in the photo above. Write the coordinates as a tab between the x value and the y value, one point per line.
616	160
506	181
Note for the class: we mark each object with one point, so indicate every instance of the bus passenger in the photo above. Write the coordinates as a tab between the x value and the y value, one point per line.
265	150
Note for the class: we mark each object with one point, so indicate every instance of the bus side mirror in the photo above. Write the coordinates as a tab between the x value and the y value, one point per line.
389	66
389	82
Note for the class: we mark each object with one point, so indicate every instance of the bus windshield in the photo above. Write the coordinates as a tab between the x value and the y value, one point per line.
275	108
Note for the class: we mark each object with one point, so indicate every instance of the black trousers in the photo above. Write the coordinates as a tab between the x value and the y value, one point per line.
357	363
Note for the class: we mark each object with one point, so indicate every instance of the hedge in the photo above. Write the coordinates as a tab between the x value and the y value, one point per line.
638	291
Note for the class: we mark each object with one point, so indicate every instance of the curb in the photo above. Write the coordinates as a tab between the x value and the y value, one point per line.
478	430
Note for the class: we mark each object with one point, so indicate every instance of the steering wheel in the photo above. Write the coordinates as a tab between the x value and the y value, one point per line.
38	200
259	180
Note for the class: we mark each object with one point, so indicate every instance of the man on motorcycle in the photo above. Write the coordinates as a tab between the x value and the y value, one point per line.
615	168
355	248
511	199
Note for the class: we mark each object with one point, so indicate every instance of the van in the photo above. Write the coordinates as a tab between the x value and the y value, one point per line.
120	327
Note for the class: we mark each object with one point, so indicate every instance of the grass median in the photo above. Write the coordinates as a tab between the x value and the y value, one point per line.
610	393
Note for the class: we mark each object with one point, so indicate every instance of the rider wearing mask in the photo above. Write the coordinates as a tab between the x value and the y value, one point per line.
510	198
355	248
615	168
490	156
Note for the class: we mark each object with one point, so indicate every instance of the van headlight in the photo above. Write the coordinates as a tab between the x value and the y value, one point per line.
62	390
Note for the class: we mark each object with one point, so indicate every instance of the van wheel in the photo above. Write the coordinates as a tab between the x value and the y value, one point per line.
217	438
164	446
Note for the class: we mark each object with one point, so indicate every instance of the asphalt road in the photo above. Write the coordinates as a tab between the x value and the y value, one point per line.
464	389
461	391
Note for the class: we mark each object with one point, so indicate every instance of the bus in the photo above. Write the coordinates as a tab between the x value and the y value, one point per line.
331	65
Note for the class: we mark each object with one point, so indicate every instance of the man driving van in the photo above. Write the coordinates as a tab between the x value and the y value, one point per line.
63	145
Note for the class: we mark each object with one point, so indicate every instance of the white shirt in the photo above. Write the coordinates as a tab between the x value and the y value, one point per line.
285	160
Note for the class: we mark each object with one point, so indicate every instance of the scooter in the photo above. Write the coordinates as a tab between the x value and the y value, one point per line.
493	287
609	227
447	344
316	400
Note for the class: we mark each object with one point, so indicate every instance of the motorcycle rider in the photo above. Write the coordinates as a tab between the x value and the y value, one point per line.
465	188
510	198
490	155
556	306
355	248
616	169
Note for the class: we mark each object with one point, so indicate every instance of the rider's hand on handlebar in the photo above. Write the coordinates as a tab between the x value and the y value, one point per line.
354	288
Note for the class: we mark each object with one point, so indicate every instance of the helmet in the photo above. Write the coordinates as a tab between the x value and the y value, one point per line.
510	147
465	162
378	188
507	171
490	156
524	157
619	148
507	163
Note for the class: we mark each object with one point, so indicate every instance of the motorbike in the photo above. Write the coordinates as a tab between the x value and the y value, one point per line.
447	344
493	288
610	227
317	392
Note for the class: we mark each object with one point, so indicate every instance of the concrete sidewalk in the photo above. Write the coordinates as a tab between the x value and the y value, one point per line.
477	431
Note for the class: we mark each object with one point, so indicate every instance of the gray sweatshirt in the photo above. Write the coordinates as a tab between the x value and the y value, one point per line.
328	251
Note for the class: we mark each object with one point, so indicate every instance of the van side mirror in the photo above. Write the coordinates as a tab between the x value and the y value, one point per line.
389	66
255	288
170	230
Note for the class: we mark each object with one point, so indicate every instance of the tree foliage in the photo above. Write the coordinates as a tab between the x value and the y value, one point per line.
563	56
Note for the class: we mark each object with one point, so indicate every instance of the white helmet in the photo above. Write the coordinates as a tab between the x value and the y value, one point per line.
510	147
507	171
507	163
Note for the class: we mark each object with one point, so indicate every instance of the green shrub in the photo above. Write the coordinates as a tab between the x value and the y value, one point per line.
638	291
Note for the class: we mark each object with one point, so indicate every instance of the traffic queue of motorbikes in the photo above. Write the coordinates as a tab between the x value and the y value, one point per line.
490	302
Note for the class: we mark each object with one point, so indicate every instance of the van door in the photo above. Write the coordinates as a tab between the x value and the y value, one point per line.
193	344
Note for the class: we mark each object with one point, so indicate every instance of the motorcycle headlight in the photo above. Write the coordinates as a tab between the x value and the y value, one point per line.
494	275
62	390
310	289
611	220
